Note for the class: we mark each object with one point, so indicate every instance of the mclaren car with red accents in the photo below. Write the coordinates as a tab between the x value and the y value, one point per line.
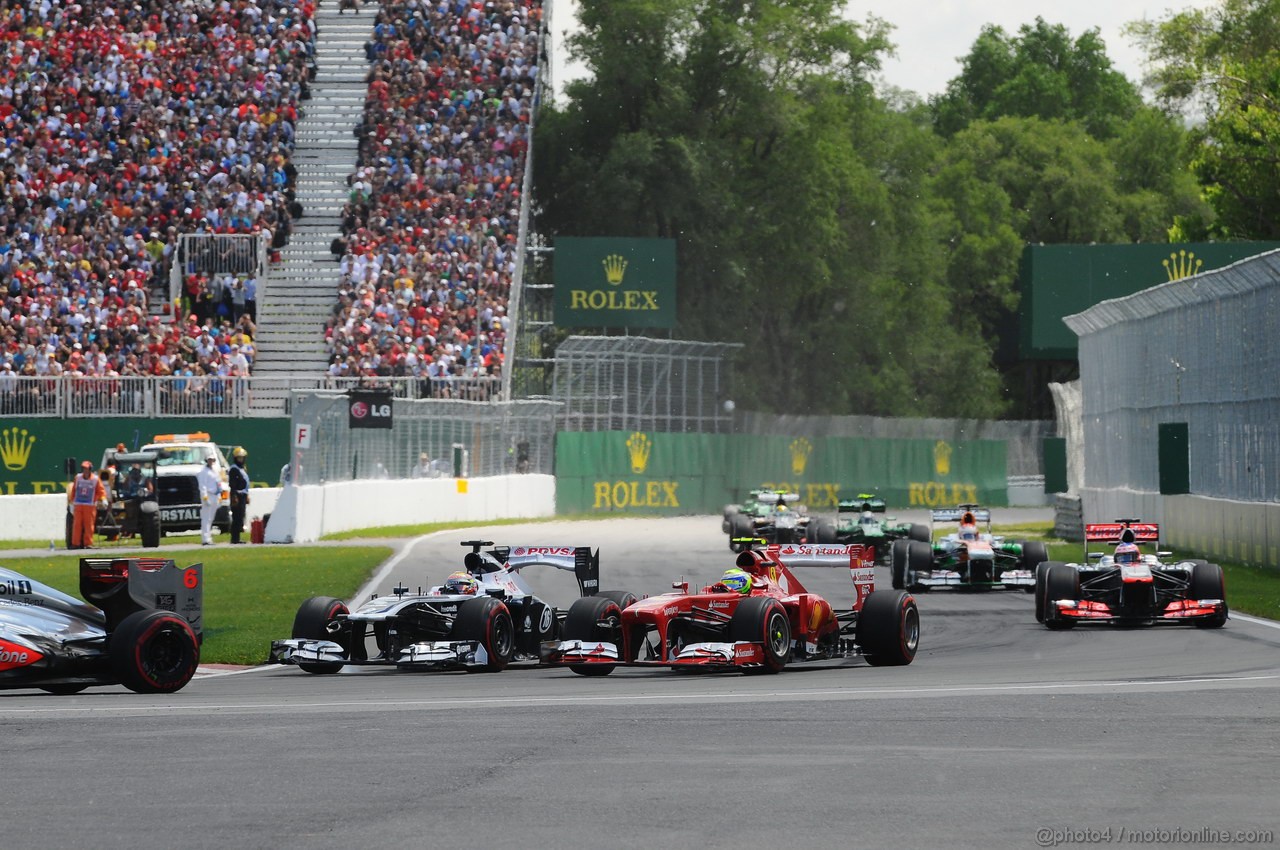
1129	587
757	620
140	627
481	618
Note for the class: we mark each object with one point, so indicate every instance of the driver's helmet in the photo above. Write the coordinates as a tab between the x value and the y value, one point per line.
737	580
1127	553
968	531
461	582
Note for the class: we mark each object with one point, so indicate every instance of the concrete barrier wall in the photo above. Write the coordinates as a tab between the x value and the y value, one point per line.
1223	529
309	512
42	517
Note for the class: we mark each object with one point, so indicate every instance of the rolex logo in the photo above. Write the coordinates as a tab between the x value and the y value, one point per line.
615	266
942	457
1182	264
15	448
638	447
800	448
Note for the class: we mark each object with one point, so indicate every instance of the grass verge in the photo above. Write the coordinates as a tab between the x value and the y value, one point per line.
250	595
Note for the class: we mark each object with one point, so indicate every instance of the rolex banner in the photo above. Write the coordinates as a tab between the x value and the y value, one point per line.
615	283
651	472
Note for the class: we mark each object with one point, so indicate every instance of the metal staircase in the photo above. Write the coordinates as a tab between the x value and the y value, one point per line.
300	292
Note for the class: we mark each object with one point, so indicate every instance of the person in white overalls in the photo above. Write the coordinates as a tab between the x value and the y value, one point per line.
210	492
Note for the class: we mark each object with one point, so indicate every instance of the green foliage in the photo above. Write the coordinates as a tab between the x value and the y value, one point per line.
250	595
1224	63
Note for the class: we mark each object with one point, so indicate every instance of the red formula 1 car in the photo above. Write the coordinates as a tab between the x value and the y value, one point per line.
1129	587
768	621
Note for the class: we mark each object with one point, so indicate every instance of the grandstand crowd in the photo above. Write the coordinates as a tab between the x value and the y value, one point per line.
126	126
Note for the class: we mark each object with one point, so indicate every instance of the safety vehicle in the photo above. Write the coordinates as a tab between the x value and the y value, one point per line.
495	620
758	628
1127	586
140	625
971	557
180	459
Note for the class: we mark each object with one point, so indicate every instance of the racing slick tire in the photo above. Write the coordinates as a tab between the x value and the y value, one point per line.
1207	583
889	628
583	622
919	532
312	621
1042	571
822	531
622	597
488	621
149	529
1034	553
898	564
1061	581
762	619
919	560
153	652
739	526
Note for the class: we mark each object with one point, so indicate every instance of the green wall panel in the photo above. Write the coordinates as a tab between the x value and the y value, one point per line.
32	450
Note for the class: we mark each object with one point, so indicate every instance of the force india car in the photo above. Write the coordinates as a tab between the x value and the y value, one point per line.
776	516
502	622
777	621
968	558
141	627
1144	591
856	523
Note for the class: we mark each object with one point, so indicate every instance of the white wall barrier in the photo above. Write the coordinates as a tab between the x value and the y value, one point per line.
307	513
44	517
1243	532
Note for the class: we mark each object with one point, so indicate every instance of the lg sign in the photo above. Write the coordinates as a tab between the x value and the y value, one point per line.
369	409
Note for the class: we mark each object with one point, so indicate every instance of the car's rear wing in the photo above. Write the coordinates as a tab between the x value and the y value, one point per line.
955	514
862	502
580	560
773	497
777	560
1122	531
121	586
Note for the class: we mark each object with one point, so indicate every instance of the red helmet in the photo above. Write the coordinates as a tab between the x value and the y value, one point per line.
461	583
1127	553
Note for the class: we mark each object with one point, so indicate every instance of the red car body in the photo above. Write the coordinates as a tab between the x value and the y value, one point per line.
777	621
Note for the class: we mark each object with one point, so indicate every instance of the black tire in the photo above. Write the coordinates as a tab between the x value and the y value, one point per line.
898	564
622	597
488	621
739	526
762	619
1034	552
584	623
312	622
822	531
1042	570
726	520
71	524
149	530
153	652
1062	581
1207	582
919	532
889	628
919	560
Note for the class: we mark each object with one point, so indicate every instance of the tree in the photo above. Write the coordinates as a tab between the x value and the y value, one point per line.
1040	73
1225	62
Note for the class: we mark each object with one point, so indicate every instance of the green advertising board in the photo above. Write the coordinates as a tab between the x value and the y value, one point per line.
659	473
1061	280
615	283
33	450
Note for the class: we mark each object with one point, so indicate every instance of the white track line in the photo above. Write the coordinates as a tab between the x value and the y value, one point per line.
1257	621
390	564
292	705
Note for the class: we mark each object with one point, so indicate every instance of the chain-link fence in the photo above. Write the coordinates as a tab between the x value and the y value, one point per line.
631	383
430	438
1202	351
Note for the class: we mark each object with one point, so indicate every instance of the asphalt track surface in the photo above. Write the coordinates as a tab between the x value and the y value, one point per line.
1001	734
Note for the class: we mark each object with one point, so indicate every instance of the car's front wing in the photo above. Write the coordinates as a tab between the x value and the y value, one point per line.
708	654
1178	611
950	578
418	656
